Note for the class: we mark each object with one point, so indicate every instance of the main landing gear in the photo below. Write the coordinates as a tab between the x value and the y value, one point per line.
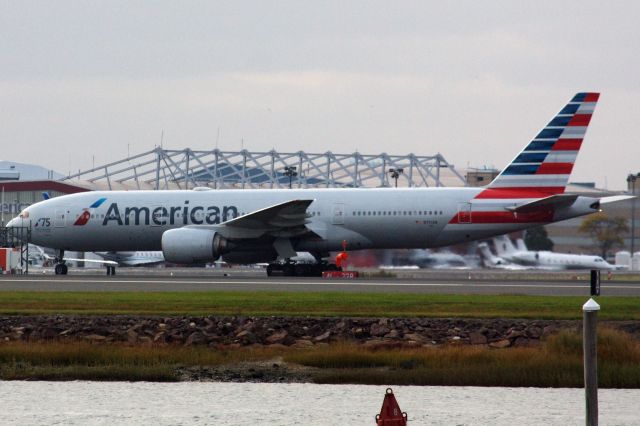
293	269
61	267
111	270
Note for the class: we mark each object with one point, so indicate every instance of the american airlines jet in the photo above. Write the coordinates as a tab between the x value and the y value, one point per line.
254	226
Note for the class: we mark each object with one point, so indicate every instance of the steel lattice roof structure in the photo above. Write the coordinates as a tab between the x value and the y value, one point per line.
162	168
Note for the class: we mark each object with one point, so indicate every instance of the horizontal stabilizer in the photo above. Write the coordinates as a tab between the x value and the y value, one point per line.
616	198
555	201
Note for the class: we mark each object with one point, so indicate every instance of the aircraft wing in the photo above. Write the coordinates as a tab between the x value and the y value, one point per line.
615	199
284	220
556	201
103	262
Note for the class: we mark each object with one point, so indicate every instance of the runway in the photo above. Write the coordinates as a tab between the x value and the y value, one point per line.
195	281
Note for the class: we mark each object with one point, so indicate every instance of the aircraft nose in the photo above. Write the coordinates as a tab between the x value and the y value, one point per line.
13	223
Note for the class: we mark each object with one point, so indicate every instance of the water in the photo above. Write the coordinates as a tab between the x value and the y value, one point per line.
157	404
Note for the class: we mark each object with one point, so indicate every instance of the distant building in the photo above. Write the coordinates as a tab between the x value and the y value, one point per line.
480	177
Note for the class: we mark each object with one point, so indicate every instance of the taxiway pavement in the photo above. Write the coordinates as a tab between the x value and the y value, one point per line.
190	281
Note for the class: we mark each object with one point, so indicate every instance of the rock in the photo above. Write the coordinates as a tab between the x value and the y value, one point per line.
246	337
277	337
549	330
415	337
359	332
501	344
160	337
378	330
393	334
324	336
95	338
521	342
514	334
477	338
534	332
132	336
302	344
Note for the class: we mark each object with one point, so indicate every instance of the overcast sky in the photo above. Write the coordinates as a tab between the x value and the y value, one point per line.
473	80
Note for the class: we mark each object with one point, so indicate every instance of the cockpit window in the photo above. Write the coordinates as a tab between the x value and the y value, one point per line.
24	214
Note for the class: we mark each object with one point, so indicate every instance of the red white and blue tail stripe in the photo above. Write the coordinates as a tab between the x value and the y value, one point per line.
544	166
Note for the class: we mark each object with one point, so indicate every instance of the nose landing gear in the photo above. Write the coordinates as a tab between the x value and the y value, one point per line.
61	267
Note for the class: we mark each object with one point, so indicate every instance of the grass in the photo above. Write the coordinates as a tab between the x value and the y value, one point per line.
555	363
86	361
311	304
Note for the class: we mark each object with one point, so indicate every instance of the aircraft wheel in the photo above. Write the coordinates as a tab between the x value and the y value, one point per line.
269	270
58	269
64	269
316	270
287	270
301	270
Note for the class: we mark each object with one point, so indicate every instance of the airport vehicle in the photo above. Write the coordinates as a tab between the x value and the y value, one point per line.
253	226
546	259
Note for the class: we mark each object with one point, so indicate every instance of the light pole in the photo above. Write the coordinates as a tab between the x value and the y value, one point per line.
395	174
291	172
631	180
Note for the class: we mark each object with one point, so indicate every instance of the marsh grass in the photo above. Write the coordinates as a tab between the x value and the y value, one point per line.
86	361
555	363
311	304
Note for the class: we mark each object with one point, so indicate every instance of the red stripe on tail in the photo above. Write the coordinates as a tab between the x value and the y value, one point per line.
567	145
580	120
555	169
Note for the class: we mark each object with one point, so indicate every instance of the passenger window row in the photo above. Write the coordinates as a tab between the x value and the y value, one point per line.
397	213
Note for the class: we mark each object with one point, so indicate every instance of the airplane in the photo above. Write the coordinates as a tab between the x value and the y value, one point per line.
546	259
267	225
492	261
132	258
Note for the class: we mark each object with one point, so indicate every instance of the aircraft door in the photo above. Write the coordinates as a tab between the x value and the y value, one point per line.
338	214
464	213
60	218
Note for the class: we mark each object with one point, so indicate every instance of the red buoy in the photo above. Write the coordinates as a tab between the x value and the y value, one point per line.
390	413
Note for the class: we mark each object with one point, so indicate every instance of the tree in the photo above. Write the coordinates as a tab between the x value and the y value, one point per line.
538	239
605	232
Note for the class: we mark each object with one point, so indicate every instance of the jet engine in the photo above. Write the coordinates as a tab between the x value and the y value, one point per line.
188	245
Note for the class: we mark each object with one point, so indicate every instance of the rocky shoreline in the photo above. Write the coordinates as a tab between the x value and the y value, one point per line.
295	332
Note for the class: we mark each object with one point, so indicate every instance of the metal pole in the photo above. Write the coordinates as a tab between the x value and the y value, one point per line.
633	216
589	324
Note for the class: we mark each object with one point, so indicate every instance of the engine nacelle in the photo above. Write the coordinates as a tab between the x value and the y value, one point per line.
188	245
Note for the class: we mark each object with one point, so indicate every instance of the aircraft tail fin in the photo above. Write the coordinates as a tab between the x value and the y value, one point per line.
488	257
544	166
504	245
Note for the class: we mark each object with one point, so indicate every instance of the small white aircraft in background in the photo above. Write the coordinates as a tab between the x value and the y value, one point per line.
492	261
546	259
132	258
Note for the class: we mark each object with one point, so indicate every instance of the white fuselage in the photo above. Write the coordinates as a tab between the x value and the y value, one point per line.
550	260
364	218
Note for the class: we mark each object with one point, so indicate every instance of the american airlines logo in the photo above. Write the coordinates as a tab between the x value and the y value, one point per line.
86	213
162	215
